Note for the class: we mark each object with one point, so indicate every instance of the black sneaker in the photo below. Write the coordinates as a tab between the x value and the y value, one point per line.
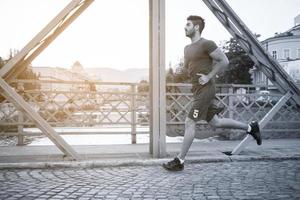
174	165
255	132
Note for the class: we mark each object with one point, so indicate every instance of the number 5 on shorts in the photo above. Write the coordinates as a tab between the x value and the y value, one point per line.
195	114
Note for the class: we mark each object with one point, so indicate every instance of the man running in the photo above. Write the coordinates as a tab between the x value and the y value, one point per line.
203	60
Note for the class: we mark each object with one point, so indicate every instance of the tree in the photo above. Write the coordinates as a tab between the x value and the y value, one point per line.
30	75
179	76
240	63
170	76
27	74
143	86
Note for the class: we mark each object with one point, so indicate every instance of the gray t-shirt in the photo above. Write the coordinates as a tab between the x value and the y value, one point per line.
197	60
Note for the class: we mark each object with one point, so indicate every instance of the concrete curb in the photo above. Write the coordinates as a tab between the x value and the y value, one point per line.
135	162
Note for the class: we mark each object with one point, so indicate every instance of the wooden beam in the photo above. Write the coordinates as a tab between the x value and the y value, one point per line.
262	123
42	41
24	58
21	104
157	79
39	37
261	58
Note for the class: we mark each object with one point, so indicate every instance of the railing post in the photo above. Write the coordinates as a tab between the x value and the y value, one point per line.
20	141
230	102
133	114
20	128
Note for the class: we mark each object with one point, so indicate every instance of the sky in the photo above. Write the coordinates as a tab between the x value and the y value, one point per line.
115	33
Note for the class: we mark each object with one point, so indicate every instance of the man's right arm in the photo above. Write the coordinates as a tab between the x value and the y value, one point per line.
219	60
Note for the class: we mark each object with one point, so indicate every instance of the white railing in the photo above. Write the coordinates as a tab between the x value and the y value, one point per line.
100	104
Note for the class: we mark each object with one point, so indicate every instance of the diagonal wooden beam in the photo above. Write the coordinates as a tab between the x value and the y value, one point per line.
262	123
42	40
36	40
19	62
20	103
262	59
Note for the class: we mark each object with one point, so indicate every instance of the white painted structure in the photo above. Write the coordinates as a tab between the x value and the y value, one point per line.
285	48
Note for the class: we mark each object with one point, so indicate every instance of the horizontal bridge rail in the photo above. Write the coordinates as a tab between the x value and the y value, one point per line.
96	104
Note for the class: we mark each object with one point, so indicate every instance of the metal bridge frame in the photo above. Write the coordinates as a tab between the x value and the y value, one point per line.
157	69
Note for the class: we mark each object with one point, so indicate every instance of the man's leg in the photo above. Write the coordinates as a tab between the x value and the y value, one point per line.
252	128
189	134
227	123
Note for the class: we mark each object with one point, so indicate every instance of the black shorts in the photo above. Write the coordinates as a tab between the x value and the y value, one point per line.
198	112
204	105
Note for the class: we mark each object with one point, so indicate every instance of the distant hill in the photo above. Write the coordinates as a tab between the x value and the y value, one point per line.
114	75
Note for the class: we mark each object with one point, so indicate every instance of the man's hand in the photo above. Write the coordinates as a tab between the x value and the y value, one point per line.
203	79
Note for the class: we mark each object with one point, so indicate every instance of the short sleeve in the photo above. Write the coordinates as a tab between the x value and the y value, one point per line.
210	46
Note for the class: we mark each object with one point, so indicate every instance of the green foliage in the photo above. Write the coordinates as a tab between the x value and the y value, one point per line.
26	74
240	63
30	75
179	76
143	86
170	76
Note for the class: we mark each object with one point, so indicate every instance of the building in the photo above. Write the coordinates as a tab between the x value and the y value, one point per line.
285	48
64	79
76	73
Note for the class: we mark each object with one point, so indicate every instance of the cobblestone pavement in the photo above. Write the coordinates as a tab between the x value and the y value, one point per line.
228	180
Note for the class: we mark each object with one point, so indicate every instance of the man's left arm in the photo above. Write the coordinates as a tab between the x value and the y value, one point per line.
220	61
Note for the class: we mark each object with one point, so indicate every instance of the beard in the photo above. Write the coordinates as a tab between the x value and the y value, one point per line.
189	34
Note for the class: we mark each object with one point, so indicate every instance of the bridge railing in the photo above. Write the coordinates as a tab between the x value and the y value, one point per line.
241	102
101	104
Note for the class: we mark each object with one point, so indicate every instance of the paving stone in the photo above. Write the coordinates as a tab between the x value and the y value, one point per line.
237	180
